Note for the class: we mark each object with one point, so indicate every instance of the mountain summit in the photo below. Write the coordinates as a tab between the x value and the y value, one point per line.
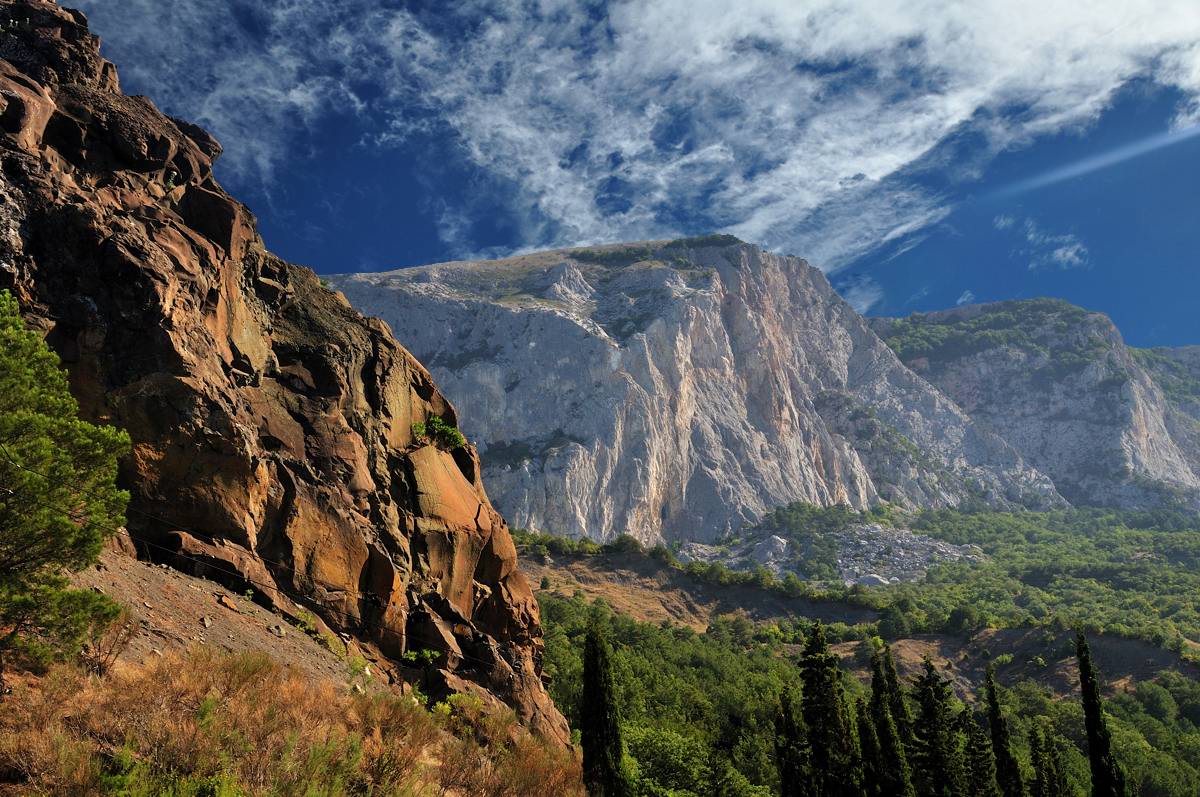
679	389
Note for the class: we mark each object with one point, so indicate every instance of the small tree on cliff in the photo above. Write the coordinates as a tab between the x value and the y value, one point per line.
58	500
604	769
1108	780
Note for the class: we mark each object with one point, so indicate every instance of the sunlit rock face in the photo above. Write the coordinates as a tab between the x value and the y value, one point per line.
1111	425
272	424
677	390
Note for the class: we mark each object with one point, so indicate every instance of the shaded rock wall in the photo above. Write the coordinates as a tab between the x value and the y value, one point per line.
272	424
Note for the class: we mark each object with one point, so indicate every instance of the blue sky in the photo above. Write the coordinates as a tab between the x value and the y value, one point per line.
921	153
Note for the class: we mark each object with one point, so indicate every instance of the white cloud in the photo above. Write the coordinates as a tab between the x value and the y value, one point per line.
862	293
793	124
918	295
966	297
1051	250
1003	222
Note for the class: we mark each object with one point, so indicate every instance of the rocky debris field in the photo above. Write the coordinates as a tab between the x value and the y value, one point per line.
868	554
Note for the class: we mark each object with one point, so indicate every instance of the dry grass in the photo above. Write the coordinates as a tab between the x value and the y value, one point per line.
204	723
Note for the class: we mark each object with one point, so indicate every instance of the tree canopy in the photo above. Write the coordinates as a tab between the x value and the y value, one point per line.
58	499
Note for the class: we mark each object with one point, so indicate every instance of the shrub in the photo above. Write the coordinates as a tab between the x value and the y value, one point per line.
440	433
624	543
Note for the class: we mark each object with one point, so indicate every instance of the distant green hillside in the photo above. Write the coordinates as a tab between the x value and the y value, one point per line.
1037	326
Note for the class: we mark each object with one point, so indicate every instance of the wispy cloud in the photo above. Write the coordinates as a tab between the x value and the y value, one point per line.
797	125
966	297
1042	249
861	292
1103	161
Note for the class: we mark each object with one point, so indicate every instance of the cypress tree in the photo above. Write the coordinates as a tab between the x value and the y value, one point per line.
896	702
1008	772
1043	774
980	762
1108	780
791	752
873	763
604	769
1057	774
825	718
938	767
896	777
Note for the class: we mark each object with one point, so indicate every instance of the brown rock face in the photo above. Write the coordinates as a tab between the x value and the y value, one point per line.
272	424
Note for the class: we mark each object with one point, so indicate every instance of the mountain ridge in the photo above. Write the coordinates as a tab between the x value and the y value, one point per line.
1110	424
694	384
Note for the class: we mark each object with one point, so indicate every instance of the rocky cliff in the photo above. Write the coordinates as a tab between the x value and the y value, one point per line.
1111	425
676	390
272	424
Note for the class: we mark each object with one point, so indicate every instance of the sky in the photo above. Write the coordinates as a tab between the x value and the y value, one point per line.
923	154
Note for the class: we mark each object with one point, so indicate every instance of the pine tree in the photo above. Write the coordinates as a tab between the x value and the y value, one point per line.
979	761
604	769
1008	772
896	778
58	500
1108	780
896	702
791	751
825	719
938	766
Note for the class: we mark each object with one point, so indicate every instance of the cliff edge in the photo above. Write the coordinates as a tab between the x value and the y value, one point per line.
272	424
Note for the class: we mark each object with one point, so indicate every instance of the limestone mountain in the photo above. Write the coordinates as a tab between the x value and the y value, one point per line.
1110	424
272	424
679	389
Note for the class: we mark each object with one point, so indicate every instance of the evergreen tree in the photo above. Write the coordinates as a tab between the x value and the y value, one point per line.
938	766
1008	772
896	702
1108	780
980	763
896	778
58	500
856	773
1043	770
791	751
1057	770
873	765
825	718
1049	774
604	769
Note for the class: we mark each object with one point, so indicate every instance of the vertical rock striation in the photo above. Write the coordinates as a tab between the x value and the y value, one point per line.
272	424
1111	425
677	390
